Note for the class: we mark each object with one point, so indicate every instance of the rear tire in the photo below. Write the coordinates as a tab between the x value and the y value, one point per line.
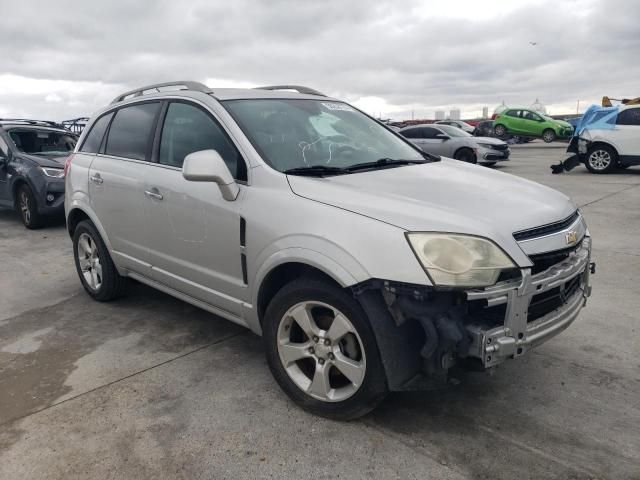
27	207
466	155
548	135
499	130
314	332
601	159
94	265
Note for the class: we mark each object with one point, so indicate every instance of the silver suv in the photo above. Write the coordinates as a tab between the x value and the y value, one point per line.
365	264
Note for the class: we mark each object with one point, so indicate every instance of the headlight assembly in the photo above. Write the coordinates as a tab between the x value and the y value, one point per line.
53	172
486	145
458	260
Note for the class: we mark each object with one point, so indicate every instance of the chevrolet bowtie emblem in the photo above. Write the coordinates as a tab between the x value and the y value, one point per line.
571	237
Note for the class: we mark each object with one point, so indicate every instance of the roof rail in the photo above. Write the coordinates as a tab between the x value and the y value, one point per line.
30	121
187	84
297	88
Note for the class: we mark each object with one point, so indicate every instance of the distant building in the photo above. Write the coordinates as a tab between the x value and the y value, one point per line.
439	114
485	112
539	107
454	114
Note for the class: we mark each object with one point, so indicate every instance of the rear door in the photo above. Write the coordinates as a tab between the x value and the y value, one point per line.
116	182
626	134
513	121
194	233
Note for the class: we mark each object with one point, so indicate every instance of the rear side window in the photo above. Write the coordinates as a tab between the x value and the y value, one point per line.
513	113
93	140
630	116
189	129
130	131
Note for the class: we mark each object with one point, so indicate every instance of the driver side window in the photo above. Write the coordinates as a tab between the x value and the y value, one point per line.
189	129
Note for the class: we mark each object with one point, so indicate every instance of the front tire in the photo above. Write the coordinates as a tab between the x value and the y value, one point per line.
548	135
466	155
28	208
499	130
322	351
94	265
601	159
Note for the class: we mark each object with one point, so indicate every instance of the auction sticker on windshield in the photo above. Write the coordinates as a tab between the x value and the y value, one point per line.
338	106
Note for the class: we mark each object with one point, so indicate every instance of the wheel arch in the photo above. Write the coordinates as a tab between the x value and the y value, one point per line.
601	143
77	213
283	274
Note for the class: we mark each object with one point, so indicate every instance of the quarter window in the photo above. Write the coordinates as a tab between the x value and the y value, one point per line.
93	141
189	129
130	131
630	116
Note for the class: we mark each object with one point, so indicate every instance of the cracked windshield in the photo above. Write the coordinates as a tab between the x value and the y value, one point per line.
293	134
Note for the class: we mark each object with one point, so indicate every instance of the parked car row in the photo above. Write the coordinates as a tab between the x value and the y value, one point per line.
32	154
366	264
452	142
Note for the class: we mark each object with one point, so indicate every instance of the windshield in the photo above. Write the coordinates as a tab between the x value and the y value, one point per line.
42	142
454	131
291	134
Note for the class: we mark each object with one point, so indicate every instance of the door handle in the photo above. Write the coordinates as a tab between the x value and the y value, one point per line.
96	178
153	193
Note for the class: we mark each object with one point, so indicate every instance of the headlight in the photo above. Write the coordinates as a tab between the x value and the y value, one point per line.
458	260
486	145
53	172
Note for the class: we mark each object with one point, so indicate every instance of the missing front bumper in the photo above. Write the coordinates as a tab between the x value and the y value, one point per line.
520	332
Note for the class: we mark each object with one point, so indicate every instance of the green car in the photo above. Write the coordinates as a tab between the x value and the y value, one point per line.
522	121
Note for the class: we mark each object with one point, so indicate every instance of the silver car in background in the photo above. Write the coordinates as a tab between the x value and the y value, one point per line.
366	264
452	142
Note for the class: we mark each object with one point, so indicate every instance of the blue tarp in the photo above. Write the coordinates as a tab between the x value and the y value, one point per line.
597	117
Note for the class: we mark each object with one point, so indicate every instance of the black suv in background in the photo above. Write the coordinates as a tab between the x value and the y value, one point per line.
32	156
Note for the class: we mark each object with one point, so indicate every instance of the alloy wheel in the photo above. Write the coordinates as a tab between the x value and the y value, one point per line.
599	160
25	207
321	351
89	260
548	136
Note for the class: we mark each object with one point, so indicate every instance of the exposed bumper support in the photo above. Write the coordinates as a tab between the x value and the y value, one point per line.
494	345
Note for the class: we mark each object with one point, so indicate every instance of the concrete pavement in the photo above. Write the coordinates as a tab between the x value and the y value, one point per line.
150	387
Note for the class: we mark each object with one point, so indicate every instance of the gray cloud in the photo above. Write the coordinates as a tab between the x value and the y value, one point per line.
355	49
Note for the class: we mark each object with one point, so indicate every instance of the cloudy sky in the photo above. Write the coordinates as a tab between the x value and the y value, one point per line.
63	59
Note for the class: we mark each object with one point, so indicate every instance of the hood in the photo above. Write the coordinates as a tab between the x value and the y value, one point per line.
490	140
562	123
445	196
54	160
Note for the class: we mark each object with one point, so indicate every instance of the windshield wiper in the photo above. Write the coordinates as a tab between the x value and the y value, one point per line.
383	163
317	171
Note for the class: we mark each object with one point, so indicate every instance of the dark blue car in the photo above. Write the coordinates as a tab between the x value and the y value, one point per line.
32	156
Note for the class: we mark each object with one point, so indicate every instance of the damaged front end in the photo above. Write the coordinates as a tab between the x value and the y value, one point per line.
433	330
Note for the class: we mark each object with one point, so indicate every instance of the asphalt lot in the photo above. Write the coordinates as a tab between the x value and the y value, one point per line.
150	387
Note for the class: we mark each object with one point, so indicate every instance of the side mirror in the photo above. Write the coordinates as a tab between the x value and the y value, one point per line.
208	166
442	136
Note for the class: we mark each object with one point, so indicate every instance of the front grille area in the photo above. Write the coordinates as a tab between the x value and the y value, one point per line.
546	229
546	302
543	261
500	147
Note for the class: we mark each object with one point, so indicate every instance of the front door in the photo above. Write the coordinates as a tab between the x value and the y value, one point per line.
194	233
626	134
532	123
5	195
